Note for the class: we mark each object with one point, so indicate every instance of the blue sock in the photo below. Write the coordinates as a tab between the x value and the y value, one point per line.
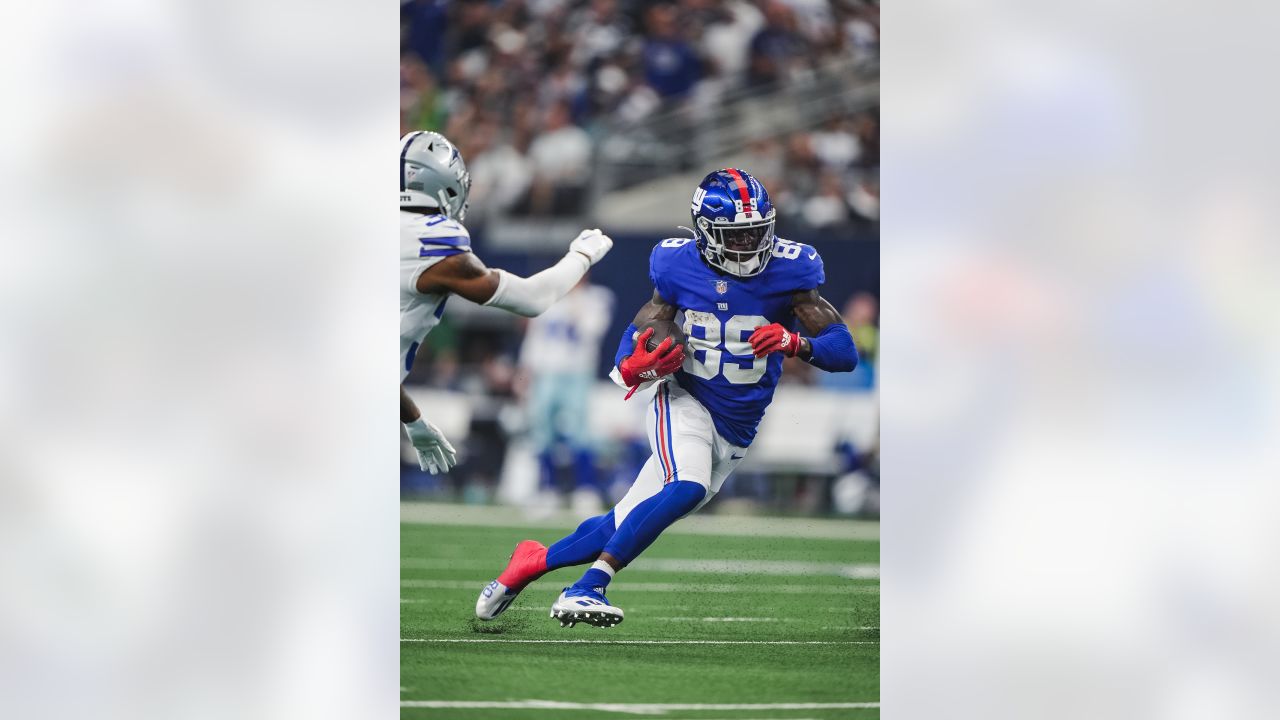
582	545
594	578
647	521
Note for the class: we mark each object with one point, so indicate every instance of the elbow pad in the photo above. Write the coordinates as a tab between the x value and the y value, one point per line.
833	349
532	296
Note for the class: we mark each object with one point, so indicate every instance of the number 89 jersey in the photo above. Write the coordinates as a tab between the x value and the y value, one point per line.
718	313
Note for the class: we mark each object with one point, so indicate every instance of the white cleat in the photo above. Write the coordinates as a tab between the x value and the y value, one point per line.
493	600
590	607
527	563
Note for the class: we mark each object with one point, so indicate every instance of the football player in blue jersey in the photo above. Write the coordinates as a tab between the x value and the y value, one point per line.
739	293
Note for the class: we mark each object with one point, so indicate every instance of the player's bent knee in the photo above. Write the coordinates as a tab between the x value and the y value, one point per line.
686	494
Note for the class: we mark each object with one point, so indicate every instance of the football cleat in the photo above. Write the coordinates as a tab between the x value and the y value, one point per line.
528	563
586	605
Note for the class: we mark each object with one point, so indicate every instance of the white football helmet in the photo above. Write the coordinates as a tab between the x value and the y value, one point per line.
433	175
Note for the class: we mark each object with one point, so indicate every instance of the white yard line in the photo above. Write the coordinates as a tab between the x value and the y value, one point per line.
758	567
854	571
712	619
488	515
584	641
623	586
627	708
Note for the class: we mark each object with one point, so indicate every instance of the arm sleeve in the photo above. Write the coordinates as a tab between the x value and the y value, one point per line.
625	347
532	296
833	349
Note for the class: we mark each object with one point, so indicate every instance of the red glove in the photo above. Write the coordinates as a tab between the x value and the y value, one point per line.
774	338
644	364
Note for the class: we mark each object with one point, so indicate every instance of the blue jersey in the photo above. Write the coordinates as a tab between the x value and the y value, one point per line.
719	313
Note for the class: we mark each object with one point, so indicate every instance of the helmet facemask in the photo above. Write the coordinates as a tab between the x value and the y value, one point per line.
738	248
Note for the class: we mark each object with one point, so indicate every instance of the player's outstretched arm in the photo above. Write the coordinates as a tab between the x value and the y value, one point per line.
464	274
829	345
435	454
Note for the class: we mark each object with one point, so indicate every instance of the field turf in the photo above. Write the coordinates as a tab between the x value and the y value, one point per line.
724	623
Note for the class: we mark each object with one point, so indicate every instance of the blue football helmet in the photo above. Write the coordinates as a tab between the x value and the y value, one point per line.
733	221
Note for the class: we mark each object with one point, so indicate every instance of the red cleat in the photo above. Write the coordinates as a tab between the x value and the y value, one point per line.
528	563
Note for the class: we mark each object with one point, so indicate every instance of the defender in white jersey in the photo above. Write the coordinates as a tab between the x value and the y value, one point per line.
436	261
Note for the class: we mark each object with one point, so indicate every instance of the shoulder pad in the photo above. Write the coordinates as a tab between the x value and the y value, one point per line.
664	256
441	237
798	264
441	226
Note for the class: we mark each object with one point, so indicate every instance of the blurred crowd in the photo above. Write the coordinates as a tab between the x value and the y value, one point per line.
531	91
525	87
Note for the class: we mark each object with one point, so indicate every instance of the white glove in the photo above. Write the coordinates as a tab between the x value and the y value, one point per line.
435	454
592	243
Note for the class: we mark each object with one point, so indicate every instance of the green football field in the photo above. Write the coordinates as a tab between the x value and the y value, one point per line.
717	626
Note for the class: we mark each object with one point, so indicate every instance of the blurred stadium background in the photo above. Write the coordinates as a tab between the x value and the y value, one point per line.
603	113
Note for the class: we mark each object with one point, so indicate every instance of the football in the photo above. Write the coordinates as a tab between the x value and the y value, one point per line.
663	329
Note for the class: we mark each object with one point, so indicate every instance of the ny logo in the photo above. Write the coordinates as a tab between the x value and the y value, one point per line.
698	195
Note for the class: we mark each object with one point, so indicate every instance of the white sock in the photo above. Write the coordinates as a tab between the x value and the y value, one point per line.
602	565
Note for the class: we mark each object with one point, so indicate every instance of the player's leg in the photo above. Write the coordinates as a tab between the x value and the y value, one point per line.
725	457
531	559
587	496
541	415
682	436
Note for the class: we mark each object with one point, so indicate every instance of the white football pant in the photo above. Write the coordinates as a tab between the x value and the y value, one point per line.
685	446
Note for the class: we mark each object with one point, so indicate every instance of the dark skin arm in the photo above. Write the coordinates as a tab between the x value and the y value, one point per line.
814	314
655	309
462	274
408	410
811	309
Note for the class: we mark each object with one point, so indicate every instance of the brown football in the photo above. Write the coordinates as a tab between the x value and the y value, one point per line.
663	329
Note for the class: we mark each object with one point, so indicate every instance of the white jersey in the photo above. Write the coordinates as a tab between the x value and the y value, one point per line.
424	241
566	338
